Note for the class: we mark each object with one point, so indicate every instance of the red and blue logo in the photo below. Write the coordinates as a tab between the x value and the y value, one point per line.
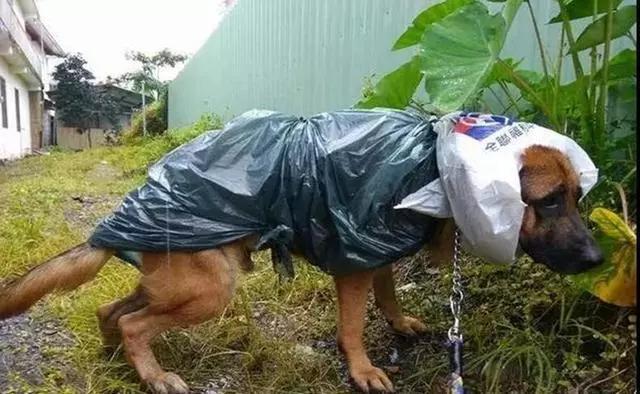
480	126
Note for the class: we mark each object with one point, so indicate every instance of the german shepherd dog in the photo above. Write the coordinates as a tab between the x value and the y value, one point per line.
197	286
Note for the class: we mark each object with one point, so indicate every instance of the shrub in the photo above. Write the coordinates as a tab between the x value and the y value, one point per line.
175	137
156	121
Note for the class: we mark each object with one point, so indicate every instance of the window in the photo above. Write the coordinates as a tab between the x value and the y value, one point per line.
3	100
18	126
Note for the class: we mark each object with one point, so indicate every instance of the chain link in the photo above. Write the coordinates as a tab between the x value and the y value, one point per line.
455	300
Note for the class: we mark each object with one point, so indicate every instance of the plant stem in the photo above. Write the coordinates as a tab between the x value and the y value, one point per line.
572	42
586	117
601	105
558	77
514	101
539	39
594	61
629	175
418	107
504	107
508	107
586	389
524	86
623	200
633	40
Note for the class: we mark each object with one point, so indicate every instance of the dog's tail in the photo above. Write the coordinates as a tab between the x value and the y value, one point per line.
63	272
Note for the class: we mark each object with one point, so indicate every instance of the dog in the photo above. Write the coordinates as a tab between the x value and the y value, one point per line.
184	288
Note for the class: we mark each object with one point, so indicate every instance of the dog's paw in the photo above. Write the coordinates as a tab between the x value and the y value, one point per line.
168	383
372	379
408	325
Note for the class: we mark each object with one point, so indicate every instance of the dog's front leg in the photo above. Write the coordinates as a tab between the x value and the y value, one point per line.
352	302
385	292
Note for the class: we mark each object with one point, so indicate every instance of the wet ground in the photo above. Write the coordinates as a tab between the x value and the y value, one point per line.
28	346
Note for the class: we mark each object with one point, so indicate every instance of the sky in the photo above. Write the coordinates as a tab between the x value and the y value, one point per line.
104	30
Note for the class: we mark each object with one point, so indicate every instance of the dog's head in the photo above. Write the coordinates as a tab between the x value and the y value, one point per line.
552	231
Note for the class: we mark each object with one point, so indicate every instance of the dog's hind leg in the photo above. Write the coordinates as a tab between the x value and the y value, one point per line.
183	289
109	314
385	294
352	302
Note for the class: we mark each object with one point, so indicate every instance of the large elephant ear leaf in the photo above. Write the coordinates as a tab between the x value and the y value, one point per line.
578	9
459	52
395	89
614	281
595	34
433	14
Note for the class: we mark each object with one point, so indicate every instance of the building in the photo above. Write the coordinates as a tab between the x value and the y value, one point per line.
127	103
25	44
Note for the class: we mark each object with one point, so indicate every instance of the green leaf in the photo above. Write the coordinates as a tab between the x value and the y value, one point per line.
614	281
578	9
621	66
624	89
459	52
506	70
395	89
587	280
594	34
612	226
433	14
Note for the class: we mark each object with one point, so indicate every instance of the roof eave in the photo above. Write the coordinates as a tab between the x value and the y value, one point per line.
38	30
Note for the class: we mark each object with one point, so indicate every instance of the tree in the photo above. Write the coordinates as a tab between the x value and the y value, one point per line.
74	94
77	99
149	72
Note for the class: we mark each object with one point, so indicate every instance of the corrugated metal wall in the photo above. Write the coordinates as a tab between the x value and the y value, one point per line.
309	56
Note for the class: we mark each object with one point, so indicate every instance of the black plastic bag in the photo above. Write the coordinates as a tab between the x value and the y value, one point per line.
323	187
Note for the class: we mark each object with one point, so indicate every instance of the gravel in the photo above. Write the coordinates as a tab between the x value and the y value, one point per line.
29	344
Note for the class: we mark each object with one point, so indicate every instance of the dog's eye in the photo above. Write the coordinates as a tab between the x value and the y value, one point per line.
550	203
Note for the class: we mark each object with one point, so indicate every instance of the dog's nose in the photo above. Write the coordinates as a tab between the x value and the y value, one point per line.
592	256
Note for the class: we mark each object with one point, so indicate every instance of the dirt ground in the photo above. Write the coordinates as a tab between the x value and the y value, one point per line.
33	341
28	343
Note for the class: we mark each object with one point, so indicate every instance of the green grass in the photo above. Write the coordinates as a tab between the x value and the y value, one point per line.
526	329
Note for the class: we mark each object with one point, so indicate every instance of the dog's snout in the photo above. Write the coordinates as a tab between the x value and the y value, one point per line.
592	255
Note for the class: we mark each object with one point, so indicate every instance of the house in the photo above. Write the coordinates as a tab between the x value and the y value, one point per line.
25	45
126	102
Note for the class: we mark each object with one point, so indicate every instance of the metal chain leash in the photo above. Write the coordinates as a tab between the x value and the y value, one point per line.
457	295
456	385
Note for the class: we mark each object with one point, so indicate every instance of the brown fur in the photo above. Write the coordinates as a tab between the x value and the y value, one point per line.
440	248
553	232
543	171
63	272
179	289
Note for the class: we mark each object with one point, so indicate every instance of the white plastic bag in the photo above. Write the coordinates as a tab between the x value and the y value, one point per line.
479	159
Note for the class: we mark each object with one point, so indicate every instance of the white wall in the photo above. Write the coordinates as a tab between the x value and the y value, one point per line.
14	143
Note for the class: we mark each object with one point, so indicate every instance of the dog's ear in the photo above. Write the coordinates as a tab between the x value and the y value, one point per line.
441	245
